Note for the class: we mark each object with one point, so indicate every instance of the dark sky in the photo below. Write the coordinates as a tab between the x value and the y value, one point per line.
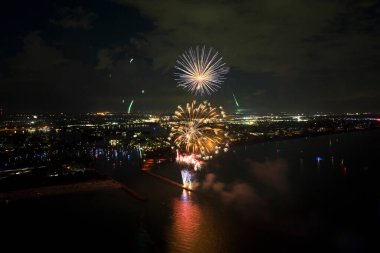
288	55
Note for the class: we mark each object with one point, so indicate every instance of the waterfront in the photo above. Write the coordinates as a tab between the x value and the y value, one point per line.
306	194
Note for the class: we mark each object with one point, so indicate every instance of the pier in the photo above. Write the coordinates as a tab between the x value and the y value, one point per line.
125	188
167	180
131	192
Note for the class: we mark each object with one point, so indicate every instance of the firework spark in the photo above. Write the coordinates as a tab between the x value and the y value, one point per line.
189	159
200	71
198	129
187	178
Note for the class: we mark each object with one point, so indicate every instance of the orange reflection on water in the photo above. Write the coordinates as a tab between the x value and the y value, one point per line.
184	232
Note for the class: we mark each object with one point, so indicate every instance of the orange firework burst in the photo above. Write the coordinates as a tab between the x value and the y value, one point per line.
198	129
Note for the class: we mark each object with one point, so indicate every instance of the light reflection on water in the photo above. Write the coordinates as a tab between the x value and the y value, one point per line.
320	192
185	230
196	226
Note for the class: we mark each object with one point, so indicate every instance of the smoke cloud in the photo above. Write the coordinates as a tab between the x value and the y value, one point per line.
260	195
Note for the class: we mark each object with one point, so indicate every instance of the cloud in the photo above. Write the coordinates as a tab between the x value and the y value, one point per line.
239	196
309	50
44	79
107	56
293	55
266	36
259	196
37	56
270	173
269	176
258	93
76	18
209	181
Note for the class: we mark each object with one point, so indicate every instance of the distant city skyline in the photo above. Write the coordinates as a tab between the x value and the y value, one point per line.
243	111
82	56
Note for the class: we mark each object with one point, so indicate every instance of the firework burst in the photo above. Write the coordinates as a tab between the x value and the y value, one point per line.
200	71
198	129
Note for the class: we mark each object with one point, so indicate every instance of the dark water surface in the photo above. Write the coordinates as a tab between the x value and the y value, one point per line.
301	195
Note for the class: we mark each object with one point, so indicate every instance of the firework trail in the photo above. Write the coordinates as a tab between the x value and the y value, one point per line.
130	107
236	102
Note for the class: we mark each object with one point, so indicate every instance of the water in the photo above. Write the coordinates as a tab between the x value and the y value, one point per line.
301	195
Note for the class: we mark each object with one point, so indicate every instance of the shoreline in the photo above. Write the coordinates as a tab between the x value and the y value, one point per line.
63	189
108	183
259	140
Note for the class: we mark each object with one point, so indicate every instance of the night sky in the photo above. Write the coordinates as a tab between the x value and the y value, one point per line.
284	55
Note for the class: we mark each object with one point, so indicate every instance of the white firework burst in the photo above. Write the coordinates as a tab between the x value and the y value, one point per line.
200	71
